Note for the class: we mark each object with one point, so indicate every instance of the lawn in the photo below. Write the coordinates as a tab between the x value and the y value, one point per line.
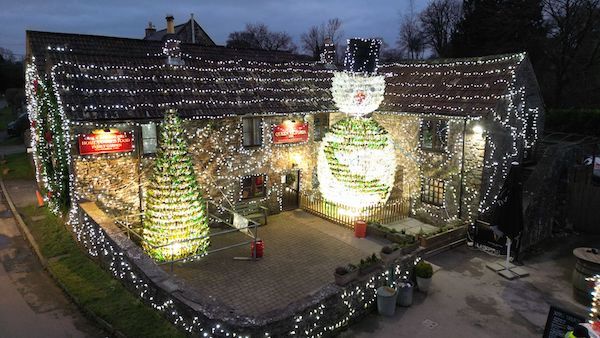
91	286
17	166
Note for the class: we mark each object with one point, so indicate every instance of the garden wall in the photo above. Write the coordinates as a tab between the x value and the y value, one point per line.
327	311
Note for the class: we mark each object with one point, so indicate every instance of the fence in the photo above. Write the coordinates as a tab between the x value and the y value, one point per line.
388	212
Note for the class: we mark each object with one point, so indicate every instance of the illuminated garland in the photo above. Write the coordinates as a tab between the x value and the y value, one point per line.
175	210
356	163
595	308
51	145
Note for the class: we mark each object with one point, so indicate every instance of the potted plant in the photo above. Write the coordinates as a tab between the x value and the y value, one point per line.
405	292
345	274
423	271
389	253
369	264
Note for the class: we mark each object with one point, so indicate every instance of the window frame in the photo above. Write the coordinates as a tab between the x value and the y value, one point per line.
253	187
143	138
437	145
433	191
256	132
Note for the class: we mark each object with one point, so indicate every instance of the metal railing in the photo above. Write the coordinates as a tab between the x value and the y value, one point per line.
391	211
252	233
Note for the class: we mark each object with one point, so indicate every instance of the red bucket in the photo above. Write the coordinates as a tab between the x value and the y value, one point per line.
360	229
259	246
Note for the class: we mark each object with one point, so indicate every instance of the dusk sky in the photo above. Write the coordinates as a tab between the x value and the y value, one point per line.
218	17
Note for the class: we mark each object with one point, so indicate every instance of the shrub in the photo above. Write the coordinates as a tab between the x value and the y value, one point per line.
423	270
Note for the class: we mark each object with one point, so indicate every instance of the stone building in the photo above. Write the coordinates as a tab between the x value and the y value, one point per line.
255	121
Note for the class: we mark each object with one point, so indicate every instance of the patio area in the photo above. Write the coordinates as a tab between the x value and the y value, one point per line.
301	253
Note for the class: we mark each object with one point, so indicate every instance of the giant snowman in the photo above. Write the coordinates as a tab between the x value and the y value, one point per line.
356	162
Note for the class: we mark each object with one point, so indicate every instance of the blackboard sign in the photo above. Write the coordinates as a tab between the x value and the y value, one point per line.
560	322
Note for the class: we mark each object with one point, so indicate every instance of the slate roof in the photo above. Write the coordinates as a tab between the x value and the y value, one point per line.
473	86
107	78
184	33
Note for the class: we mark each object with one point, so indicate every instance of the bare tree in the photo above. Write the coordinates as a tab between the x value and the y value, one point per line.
314	40
574	39
438	22
411	40
258	36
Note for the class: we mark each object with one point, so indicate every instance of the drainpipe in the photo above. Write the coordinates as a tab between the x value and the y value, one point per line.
462	171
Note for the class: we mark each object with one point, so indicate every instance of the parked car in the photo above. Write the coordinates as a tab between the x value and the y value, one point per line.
18	126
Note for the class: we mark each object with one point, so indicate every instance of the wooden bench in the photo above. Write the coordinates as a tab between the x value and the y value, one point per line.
255	212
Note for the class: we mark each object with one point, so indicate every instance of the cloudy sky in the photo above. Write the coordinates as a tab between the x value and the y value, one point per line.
126	18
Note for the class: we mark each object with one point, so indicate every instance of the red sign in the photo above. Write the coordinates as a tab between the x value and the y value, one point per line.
290	132
105	141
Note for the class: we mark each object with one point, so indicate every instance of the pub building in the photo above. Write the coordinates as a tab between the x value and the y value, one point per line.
262	126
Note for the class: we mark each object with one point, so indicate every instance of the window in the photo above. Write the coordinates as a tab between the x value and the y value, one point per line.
434	134
149	138
252	131
321	125
432	191
254	186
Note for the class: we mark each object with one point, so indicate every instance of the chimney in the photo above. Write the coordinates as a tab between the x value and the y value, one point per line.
150	29
328	54
170	24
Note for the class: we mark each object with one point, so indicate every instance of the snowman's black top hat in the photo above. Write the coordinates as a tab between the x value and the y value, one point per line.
362	55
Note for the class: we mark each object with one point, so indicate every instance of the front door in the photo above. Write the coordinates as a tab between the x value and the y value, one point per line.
291	190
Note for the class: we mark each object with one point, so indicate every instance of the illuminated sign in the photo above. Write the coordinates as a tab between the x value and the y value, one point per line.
105	141
290	132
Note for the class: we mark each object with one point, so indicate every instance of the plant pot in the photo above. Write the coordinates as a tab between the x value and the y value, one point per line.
386	300
388	258
405	293
423	284
345	279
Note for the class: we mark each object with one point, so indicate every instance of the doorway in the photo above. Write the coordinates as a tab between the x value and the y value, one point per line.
291	190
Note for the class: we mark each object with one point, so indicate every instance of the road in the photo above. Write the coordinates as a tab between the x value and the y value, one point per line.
31	304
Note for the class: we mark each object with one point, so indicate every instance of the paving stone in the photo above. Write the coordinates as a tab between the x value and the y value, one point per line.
300	257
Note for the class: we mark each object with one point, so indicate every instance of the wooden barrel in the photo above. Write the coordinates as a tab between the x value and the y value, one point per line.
587	265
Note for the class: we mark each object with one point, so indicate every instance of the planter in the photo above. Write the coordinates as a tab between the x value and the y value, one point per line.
386	300
443	238
423	284
388	258
346	278
410	248
368	269
405	293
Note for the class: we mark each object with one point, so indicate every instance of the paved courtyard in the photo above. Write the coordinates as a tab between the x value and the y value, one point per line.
412	226
301	253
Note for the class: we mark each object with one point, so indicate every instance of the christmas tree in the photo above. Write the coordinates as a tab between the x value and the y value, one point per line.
175	209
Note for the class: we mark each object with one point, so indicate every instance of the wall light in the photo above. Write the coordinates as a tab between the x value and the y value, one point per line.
478	129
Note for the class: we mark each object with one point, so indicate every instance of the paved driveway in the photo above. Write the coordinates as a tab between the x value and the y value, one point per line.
31	305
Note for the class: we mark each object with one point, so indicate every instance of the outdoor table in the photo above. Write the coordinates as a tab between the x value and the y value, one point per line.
587	265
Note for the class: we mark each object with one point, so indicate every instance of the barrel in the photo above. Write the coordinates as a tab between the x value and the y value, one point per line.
586	266
360	229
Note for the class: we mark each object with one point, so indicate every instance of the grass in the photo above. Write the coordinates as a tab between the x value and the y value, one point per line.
19	167
93	288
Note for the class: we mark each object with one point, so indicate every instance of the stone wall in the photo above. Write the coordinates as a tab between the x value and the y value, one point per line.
221	161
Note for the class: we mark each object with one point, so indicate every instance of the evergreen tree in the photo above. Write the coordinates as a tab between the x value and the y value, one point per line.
175	209
500	26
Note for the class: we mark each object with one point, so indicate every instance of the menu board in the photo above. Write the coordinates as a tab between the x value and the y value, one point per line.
560	322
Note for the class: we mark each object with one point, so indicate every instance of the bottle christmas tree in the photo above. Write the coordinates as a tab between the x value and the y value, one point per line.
175	210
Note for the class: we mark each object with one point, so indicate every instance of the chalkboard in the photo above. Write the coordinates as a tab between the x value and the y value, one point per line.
560	322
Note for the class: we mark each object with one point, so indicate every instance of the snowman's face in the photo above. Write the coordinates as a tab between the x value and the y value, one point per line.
357	94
